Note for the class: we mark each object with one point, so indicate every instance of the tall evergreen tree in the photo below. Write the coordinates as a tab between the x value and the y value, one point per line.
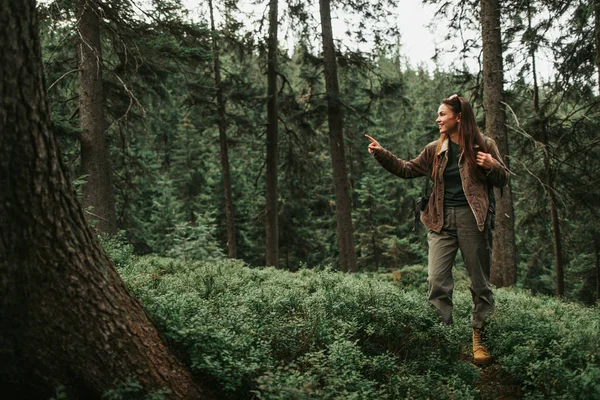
596	8
65	315
554	138
224	152
548	174
95	161
271	209
343	205
504	261
596	4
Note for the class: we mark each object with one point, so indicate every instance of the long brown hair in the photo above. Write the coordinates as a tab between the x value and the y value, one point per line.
468	133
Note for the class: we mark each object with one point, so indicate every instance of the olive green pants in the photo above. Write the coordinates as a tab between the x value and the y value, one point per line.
460	232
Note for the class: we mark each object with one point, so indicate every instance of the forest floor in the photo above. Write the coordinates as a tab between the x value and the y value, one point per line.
494	384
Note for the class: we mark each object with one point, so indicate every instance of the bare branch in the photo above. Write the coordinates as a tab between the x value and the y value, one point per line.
65	74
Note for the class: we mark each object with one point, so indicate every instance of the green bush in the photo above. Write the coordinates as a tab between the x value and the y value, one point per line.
317	333
117	248
550	346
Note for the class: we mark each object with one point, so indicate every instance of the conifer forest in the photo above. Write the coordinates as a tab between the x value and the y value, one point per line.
188	209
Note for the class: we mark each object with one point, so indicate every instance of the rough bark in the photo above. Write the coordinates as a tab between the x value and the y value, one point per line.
95	161
224	153
66	318
596	5
504	262
272	228
343	206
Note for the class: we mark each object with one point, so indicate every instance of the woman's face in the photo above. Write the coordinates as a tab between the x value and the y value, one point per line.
447	120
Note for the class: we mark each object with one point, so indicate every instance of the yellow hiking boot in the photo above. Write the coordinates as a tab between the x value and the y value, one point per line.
481	355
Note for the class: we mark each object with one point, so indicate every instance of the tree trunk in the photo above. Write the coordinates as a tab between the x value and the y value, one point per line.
272	253
95	161
66	318
229	209
596	4
548	182
556	236
343	205
504	264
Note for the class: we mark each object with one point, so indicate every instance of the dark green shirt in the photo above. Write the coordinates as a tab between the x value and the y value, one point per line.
454	196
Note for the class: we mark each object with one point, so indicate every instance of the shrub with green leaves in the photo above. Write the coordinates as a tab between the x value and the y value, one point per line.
317	333
550	346
313	333
117	248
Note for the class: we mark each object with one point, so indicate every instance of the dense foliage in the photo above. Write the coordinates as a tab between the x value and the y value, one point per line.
318	333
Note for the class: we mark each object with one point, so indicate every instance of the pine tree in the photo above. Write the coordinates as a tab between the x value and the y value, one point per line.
95	161
59	291
272	159
504	264
343	206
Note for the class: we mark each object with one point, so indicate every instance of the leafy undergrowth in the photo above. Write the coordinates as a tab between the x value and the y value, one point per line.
272	334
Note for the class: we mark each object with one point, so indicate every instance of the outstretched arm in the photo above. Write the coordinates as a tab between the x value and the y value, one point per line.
404	169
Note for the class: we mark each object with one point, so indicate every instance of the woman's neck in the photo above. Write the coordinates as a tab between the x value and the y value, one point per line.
454	137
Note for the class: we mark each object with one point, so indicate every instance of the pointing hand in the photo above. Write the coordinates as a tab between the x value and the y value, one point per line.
374	145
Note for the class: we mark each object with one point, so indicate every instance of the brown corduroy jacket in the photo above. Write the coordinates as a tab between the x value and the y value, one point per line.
475	181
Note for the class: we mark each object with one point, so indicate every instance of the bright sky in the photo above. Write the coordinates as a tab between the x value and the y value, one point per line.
420	33
418	42
418	39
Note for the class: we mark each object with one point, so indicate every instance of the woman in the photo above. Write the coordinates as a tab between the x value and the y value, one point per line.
462	164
